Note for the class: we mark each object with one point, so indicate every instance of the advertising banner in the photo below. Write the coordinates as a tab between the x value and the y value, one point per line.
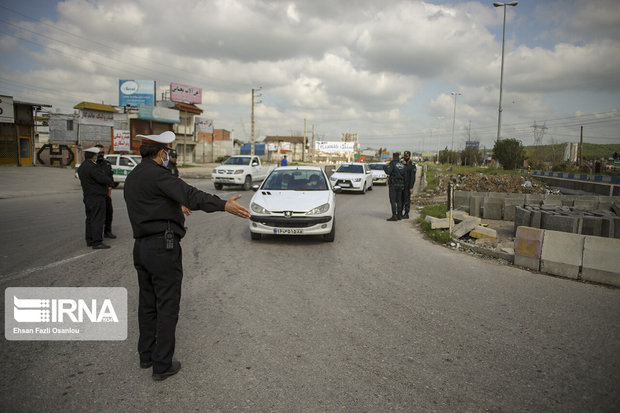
159	114
121	141
204	129
334	147
185	94
136	92
7	114
95	117
472	144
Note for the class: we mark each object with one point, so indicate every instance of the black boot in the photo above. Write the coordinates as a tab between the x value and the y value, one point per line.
406	215
393	218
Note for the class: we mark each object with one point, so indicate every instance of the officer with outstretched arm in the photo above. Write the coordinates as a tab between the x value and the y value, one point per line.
154	197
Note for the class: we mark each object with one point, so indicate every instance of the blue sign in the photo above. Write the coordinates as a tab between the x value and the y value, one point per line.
136	92
472	144
158	113
247	147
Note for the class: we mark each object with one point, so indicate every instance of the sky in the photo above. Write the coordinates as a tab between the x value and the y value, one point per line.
403	75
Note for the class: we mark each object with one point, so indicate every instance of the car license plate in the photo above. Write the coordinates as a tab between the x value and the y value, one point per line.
288	231
345	185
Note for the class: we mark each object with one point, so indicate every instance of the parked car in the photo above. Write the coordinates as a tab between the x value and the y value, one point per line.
353	177
121	166
378	173
294	200
240	170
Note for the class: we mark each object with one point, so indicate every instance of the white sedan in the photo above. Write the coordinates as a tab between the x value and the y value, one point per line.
294	200
353	177
378	173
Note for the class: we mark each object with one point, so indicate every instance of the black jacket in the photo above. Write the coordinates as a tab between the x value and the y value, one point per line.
410	170
93	179
173	169
106	166
396	173
154	196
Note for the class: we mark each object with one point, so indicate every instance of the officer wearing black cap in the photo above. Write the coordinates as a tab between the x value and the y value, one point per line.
396	181
95	185
409	175
172	165
109	210
154	198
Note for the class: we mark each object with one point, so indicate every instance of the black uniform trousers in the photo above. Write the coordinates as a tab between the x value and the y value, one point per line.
406	205
396	198
109	211
160	273
95	217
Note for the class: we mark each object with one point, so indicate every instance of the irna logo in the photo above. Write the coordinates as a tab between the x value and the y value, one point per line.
30	310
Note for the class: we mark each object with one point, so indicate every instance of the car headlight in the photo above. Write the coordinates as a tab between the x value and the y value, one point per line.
357	179
258	209
238	171
319	210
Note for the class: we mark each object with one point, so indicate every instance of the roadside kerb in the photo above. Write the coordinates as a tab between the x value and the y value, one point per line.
600	260
562	253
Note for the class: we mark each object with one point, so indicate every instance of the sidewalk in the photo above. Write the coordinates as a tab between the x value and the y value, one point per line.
26	181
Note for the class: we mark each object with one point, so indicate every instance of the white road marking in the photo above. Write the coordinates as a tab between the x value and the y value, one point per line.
24	273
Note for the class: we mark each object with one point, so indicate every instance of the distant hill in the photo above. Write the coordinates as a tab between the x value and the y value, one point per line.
590	150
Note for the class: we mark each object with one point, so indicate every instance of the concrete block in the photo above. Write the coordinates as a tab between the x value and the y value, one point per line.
552	200
616	208
522	218
528	247
437	223
592	226
457	215
483	232
568	200
465	226
475	204
563	223
498	195
604	202
608	227
487	242
509	207
562	254
535	219
492	208
461	200
534	199
600	260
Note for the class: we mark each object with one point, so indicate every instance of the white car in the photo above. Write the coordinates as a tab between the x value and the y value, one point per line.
353	177
294	200
378	173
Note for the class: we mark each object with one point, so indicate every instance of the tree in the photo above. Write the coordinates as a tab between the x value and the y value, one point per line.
471	156
509	152
448	156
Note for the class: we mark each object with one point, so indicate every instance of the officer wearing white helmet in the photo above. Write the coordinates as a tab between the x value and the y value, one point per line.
95	188
154	198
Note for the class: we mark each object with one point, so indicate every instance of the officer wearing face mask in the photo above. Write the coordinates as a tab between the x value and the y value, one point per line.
109	209
154	198
409	175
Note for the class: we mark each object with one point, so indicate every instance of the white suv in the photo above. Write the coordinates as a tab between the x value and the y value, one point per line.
352	177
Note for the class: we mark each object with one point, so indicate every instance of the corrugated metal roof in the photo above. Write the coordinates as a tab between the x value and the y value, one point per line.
95	106
185	107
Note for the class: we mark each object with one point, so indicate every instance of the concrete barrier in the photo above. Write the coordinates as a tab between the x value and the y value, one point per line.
465	226
461	200
600	260
564	223
509	207
475	205
492	208
562	254
528	247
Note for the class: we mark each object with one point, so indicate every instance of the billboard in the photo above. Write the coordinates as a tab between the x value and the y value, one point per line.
96	117
7	114
472	144
334	147
185	94
121	141
204	129
136	92
158	113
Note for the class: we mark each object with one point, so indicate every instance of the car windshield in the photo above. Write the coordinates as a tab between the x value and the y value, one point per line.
377	166
350	168
237	160
295	180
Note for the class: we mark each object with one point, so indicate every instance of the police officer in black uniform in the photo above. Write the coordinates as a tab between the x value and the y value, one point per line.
172	165
109	210
409	175
396	181
154	198
95	185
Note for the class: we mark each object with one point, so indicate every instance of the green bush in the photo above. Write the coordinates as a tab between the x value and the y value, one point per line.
509	152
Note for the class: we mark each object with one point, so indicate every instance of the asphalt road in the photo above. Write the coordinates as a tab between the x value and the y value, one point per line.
379	320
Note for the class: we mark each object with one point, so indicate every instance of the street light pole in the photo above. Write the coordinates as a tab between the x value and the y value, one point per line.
455	94
501	79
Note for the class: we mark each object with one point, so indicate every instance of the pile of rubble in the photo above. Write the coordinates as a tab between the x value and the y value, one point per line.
479	182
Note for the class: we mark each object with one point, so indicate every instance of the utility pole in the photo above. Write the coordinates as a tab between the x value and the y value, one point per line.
254	97
303	149
312	143
581	147
453	122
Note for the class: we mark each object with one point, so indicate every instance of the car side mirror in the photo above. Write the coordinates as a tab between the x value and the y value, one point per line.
255	188
337	189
